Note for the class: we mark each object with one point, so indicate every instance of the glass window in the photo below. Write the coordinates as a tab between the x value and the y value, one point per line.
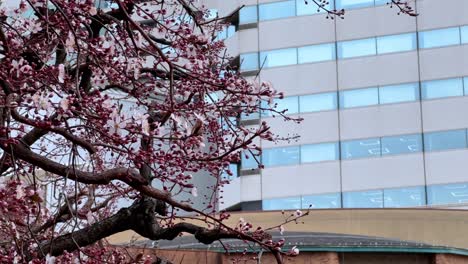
230	31
445	140
356	48
249	61
360	148
317	102
359	97
248	14
396	43
280	57
465	81
234	170
291	104
381	2
282	203
404	197
442	88
319	152
399	93
277	10
250	116
439	37
363	199
332	200
316	53
447	194
309	8
347	4
280	156
248	161
464	34
401	144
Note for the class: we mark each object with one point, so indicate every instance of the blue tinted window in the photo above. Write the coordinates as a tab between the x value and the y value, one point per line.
280	156
319	152
291	104
363	199
465	84
310	8
439	37
356	48
251	116
332	200
464	34
442	88
249	61
248	161
447	194
399	93
401	144
396	43
347	4
277	10
317	102
316	53
280	57
234	170
405	197
282	203
359	97
454	139
360	148
381	2
248	14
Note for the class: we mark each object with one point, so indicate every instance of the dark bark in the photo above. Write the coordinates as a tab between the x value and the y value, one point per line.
141	218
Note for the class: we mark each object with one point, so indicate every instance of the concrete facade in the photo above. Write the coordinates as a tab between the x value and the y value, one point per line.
435	172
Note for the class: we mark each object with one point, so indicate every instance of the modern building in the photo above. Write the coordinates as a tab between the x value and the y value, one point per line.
383	96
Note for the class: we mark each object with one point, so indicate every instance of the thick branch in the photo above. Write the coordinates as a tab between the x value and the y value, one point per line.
129	176
141	218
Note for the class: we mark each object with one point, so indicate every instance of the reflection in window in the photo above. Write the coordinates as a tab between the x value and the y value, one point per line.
248	161
360	148
356	48
317	102
439	37
280	57
359	97
399	93
363	199
319	152
396	43
277	10
401	144
445	140
464	34
404	197
442	88
347	4
249	61
280	156
447	194
317	53
282	203
248	14
310	8
320	201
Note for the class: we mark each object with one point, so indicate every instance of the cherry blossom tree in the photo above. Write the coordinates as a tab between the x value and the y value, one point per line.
107	115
